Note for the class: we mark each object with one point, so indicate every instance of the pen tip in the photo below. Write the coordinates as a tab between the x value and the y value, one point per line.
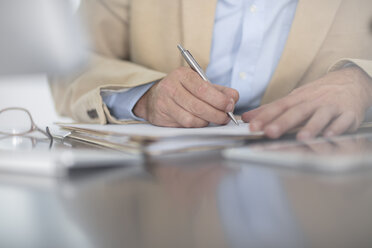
231	115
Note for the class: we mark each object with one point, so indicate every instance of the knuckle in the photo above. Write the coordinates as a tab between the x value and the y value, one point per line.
283	105
188	121
161	106
272	111
328	110
333	109
180	71
193	122
307	108
186	75
313	127
197	109
231	93
224	102
298	111
167	88
203	124
300	114
202	89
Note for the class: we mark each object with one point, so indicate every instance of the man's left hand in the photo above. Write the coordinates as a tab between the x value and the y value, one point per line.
331	105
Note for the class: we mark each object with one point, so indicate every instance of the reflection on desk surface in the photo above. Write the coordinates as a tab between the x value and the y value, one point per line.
207	203
359	144
342	154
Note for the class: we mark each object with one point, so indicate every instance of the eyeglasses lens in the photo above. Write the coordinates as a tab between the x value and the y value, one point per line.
15	122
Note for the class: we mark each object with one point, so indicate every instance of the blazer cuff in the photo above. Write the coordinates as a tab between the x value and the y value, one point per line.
91	108
121	103
365	65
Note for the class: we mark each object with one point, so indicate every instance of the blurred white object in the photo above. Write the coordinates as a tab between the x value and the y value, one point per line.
30	92
39	36
75	4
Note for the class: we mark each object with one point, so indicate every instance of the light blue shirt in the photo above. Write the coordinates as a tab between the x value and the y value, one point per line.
248	40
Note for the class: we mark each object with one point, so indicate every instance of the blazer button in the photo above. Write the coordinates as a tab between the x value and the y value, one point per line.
92	114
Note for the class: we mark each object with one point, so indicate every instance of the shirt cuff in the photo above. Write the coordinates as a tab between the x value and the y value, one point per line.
121	104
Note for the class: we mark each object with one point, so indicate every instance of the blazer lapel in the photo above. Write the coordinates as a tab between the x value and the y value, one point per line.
197	22
312	21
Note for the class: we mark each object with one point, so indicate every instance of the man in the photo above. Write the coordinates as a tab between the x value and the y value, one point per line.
285	57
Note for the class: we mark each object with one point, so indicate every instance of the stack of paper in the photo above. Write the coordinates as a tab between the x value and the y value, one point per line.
153	140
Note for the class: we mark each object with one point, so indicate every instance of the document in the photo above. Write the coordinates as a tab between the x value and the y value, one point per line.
154	132
154	140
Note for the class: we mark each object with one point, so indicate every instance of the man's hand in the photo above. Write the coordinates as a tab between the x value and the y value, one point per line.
331	105
183	99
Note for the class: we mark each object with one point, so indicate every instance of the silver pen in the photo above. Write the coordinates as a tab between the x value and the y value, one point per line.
196	67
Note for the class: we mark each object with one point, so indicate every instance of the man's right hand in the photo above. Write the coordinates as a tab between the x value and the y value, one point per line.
183	99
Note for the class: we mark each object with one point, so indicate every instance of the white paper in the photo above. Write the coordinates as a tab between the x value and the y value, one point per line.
148	130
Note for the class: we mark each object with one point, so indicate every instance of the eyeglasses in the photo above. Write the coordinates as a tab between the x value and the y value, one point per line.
19	122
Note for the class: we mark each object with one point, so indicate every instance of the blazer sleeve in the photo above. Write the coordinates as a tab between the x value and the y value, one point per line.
365	65
79	96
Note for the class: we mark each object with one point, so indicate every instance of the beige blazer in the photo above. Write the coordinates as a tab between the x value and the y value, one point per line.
134	43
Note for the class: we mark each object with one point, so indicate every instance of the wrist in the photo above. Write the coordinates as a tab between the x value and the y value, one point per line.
365	81
139	109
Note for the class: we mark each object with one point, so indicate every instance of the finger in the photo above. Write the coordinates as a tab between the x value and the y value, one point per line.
250	115
205	91
158	113
199	108
320	119
185	118
272	111
163	120
231	93
342	124
290	119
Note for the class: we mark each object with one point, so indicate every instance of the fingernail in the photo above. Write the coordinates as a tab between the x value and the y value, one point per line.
272	130
329	134
304	135
230	106
255	126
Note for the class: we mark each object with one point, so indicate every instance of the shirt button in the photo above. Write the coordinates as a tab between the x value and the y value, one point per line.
253	8
243	75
